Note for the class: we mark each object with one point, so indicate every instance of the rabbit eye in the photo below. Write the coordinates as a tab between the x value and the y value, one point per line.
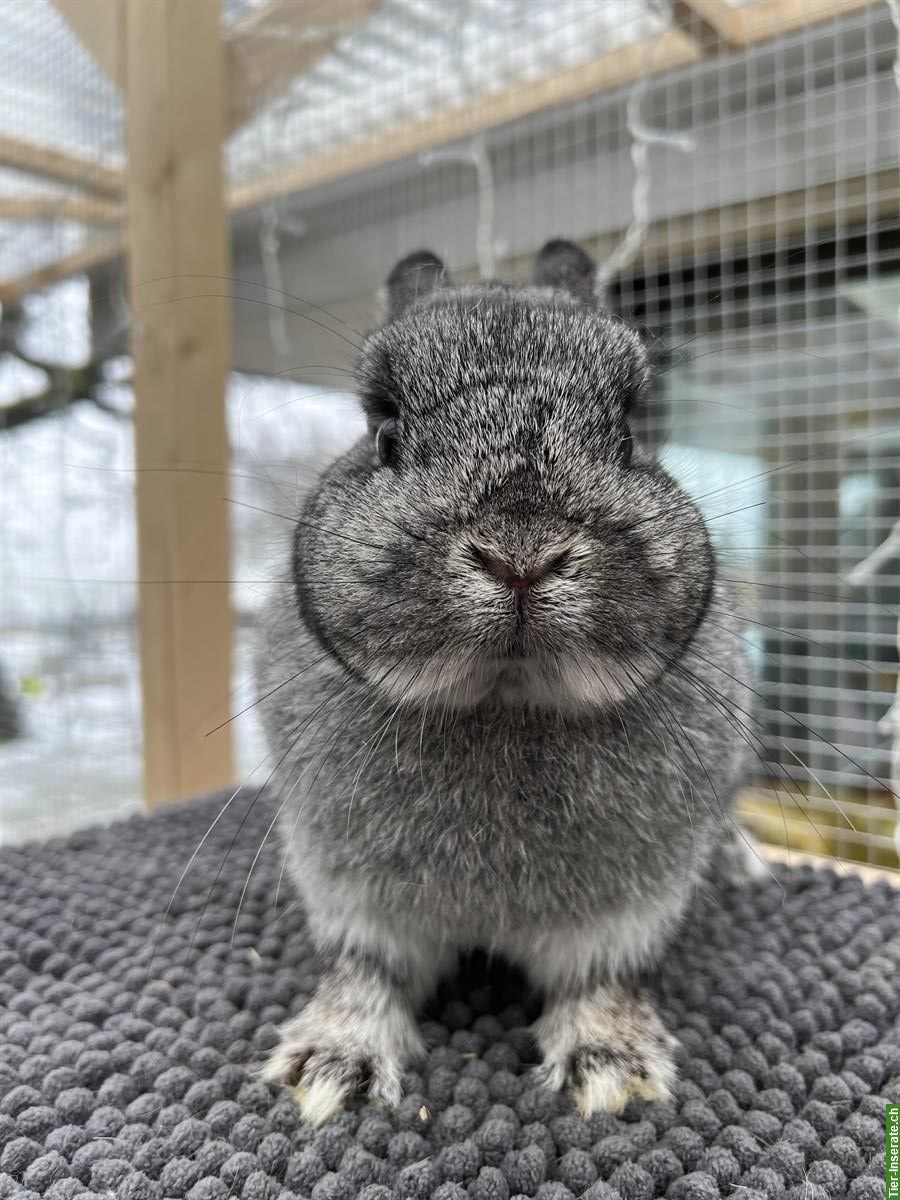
386	439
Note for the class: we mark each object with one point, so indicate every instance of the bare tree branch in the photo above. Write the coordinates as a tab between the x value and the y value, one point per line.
65	386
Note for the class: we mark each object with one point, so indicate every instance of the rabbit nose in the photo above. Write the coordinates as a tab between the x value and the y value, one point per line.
502	567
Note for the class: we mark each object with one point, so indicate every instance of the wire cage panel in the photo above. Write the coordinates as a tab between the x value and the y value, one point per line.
734	170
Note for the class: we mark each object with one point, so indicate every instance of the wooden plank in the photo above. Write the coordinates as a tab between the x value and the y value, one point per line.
673	49
99	251
64	168
82	209
712	23
863	871
100	26
767	19
177	235
278	42
738	27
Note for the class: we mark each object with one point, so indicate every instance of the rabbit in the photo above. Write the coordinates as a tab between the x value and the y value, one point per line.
503	710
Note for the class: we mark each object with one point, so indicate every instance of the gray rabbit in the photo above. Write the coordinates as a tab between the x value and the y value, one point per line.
500	692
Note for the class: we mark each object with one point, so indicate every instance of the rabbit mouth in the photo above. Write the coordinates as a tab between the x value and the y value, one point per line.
577	682
514	671
574	683
536	680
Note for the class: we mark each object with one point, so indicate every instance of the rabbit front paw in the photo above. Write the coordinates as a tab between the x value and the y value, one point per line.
354	1038
606	1047
603	1078
327	1075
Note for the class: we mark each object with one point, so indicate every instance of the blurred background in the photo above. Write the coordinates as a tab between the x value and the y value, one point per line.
199	200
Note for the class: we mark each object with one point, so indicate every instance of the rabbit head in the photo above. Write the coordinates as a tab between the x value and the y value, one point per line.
499	537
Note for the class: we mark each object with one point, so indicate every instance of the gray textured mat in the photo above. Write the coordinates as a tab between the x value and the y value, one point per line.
126	1078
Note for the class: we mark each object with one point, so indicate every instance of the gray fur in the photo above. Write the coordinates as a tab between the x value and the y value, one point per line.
546	771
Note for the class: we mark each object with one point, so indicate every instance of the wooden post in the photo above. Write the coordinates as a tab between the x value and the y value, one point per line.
178	249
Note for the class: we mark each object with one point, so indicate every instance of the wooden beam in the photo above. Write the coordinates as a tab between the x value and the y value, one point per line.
278	42
765	19
738	27
64	168
673	49
181	346
711	23
99	251
83	210
100	26
794	858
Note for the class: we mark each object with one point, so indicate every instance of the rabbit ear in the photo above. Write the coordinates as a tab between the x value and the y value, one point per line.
563	265
414	276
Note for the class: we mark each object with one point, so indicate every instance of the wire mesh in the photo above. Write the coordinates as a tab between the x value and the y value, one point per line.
737	179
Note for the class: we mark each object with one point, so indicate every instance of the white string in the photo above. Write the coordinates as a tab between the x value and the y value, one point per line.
484	226
642	138
269	244
894	7
475	154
